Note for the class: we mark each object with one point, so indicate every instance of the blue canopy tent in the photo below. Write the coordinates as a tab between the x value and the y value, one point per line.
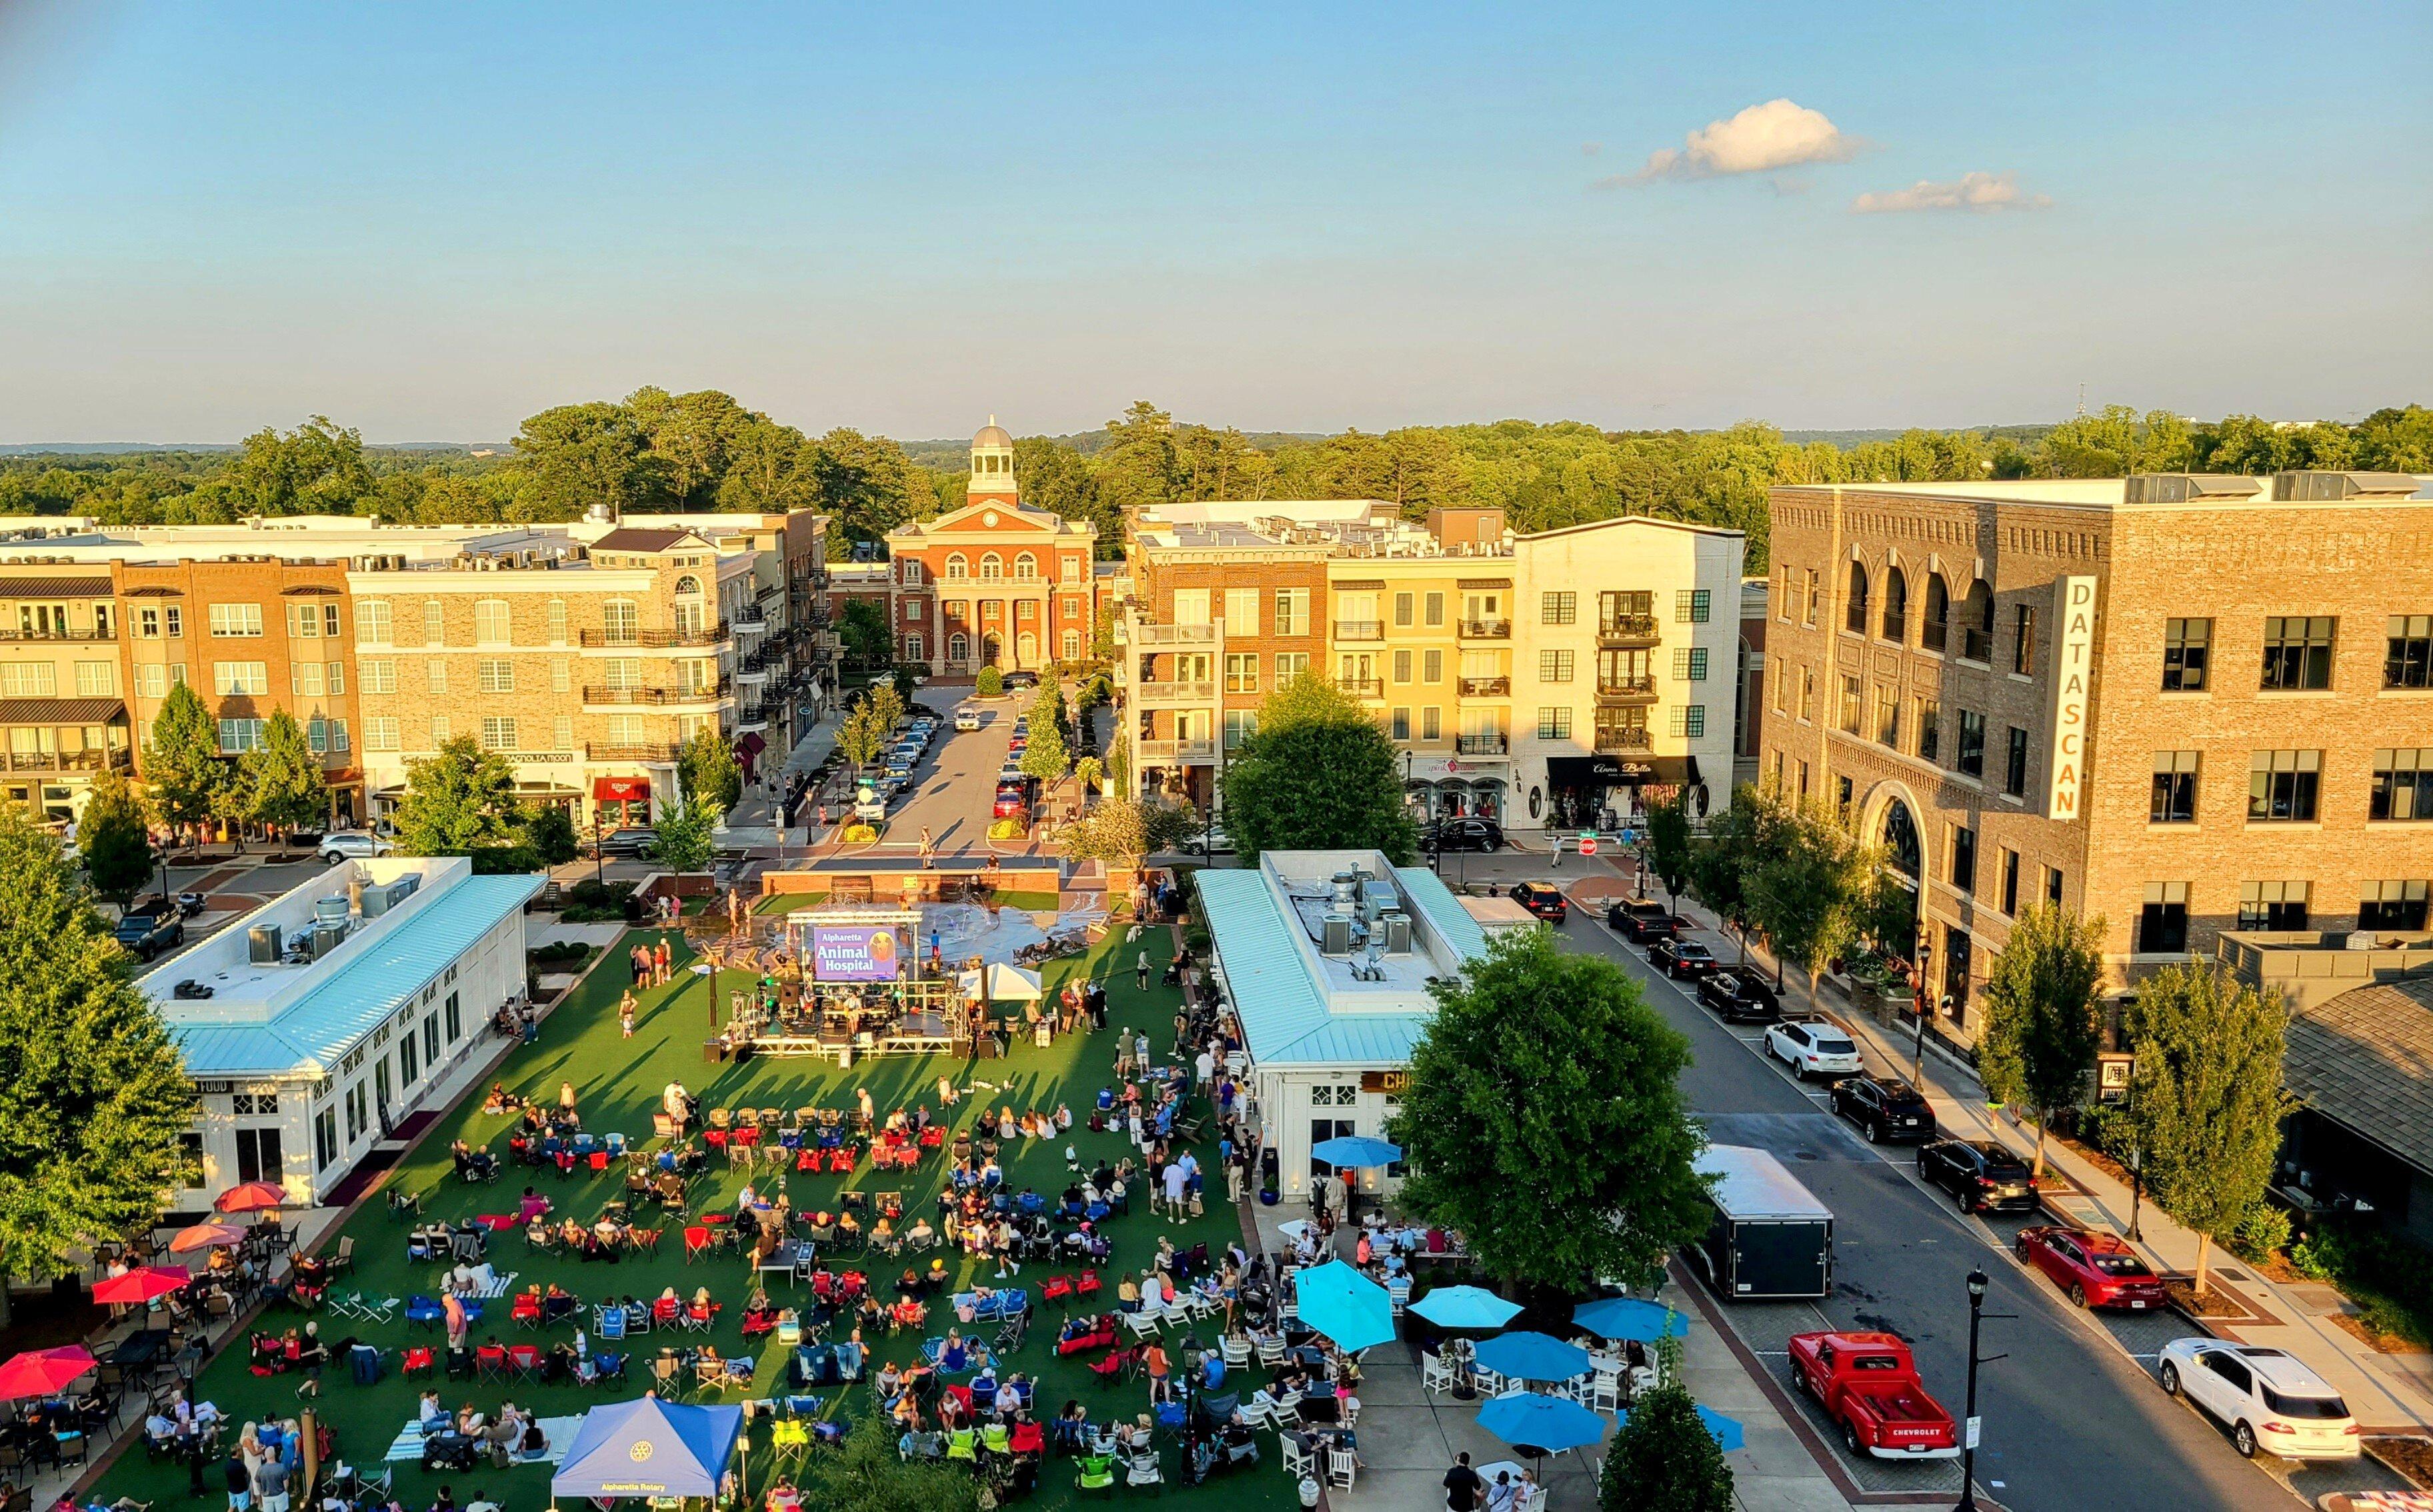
1344	1305
649	1448
1628	1317
1465	1307
1526	1356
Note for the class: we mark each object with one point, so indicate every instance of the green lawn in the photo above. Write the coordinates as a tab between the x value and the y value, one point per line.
619	1082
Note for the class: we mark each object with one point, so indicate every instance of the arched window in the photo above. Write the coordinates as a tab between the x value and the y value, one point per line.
1856	617
687	587
1026	567
958	647
1977	623
1026	650
959	567
1896	605
992	567
1936	627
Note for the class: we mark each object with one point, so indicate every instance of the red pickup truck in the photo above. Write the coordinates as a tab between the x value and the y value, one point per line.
1868	1384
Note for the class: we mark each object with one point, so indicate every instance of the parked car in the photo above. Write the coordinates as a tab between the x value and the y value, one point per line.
1867	1383
1739	995
147	934
1543	899
967	719
628	842
352	845
1641	923
1981	1175
1213	840
1466	834
1022	679
2264	1396
2096	1269
1010	804
1813	1047
1681	957
1884	1107
191	904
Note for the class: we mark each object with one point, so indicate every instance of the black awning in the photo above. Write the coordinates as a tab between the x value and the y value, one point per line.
1621	770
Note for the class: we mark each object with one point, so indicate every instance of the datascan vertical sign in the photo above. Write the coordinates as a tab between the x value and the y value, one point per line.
2073	678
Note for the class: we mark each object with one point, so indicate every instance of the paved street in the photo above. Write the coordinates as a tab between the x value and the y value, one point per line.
956	779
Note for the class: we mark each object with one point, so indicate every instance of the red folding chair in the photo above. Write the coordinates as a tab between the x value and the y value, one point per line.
1057	1289
696	1242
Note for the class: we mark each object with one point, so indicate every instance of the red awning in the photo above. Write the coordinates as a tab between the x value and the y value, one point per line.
751	745
611	789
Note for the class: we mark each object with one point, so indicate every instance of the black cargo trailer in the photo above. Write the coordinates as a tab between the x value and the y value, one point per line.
1770	1238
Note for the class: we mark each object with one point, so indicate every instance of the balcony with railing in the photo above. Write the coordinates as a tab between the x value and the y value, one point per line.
646	754
1483	743
1174	752
1628	738
1360	630
751	717
1487	630
1626	629
596	693
1146	634
1640	690
21	633
1362	687
1486	688
88	759
650	640
750	619
1175	692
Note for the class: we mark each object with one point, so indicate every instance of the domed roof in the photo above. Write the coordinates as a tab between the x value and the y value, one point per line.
991	434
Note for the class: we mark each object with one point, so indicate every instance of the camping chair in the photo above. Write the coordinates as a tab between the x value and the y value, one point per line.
1098	1473
791	1437
1143	1470
1118	1365
342	1258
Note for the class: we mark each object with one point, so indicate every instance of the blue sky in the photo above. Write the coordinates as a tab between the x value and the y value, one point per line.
430	220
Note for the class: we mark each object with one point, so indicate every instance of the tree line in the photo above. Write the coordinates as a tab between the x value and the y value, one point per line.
656	450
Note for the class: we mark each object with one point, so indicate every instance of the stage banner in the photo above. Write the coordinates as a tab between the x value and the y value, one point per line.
854	953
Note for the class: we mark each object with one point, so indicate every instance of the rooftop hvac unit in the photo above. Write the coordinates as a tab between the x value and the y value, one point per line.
330	910
1346	891
387	896
1376	897
1337	930
2303	487
1397	926
261	944
327	937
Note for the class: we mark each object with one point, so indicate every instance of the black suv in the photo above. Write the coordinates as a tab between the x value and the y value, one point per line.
1465	835
1739	995
1640	923
1681	957
1543	899
1884	1108
1981	1175
147	933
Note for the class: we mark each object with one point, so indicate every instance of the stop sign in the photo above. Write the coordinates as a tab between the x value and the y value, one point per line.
1588	844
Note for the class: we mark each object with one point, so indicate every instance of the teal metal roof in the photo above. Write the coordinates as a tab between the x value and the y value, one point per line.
1283	1013
358	997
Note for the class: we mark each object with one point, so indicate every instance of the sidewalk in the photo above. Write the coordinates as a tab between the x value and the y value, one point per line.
2385	1391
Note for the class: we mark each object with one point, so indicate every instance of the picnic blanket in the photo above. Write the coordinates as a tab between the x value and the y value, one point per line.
560	1432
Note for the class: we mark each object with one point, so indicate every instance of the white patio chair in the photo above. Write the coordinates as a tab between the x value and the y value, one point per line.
1340	1465
1436	1373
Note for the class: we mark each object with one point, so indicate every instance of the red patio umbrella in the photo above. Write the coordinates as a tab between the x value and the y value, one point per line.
253	1197
39	1372
205	1236
140	1285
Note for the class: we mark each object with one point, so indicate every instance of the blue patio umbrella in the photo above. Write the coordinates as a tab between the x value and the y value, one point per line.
1359	1151
1727	1431
1532	1419
1344	1305
1628	1317
1465	1307
1527	1356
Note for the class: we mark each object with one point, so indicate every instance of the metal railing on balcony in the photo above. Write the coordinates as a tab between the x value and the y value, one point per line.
1362	687
753	715
1977	645
629	753
1623	740
1171	752
22	634
750	619
1628	627
1145	633
1175	692
1490	743
1625	689
648	639
1485	629
597	693
1486	688
119	760
1360	630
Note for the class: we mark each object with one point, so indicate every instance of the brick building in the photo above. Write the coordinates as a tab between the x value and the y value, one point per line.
252	634
993	584
2186	704
62	687
1538	680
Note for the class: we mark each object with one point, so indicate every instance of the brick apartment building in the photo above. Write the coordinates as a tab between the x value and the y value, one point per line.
2186	703
62	687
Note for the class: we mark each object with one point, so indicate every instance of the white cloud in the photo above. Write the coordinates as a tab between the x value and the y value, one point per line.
1977	193
1778	134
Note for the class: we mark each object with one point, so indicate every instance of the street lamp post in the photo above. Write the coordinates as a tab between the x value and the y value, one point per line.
599	863
1976	1285
1917	1003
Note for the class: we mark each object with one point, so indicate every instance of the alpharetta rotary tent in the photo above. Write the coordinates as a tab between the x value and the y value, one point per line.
649	1448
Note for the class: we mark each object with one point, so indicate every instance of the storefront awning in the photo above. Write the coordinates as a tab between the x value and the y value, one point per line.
1621	770
621	789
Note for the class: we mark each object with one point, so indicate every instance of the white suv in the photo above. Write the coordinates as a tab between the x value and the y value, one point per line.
2264	1396
352	845
1813	1047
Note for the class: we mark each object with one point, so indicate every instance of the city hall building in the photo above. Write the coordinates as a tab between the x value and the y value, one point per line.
2186	703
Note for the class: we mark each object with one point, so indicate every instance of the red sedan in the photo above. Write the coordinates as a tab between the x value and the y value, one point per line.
2097	1269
